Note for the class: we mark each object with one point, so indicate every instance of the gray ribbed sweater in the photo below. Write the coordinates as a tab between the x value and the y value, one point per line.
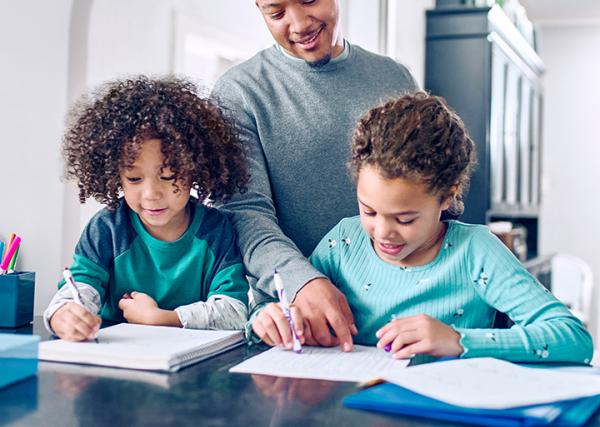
296	122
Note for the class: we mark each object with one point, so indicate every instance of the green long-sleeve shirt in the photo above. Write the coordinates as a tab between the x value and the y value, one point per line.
200	275
473	275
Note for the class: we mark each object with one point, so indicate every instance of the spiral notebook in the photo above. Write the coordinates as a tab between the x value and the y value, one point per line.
153	348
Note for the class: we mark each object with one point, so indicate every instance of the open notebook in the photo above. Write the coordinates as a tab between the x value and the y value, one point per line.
154	348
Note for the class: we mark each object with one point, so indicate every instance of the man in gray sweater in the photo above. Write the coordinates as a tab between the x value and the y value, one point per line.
296	104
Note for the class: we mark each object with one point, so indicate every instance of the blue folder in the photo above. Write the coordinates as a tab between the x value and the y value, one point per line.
394	399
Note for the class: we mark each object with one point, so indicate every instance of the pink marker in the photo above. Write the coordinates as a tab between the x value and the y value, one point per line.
9	254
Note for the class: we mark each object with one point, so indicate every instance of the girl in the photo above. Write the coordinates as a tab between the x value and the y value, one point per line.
418	284
155	255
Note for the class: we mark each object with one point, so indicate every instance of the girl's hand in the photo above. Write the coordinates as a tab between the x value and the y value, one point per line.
273	327
73	322
419	334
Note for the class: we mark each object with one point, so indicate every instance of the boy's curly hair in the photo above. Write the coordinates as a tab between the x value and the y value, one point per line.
416	137
106	129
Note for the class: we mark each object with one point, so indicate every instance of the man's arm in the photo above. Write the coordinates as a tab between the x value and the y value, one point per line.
265	247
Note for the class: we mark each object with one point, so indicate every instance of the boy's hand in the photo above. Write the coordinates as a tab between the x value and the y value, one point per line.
273	327
73	322
142	309
419	334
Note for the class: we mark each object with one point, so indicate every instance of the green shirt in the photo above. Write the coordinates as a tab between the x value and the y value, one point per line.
473	276
116	255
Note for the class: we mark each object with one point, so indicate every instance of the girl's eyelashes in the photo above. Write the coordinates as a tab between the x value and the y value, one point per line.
398	220
168	178
132	179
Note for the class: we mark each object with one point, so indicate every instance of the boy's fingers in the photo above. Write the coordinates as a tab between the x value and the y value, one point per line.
83	328
91	320
125	302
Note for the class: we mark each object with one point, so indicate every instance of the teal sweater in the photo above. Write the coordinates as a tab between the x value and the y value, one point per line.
296	123
200	275
473	275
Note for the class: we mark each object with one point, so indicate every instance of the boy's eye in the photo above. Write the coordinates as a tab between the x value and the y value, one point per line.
370	213
275	16
168	178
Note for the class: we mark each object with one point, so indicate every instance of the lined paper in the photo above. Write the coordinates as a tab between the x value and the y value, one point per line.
323	363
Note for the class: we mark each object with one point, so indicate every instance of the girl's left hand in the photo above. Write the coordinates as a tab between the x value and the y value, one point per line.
419	334
139	307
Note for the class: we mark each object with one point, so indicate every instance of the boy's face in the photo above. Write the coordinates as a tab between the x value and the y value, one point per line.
309	30
401	217
150	193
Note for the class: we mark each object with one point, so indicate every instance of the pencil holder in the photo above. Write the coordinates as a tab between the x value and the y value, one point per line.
16	299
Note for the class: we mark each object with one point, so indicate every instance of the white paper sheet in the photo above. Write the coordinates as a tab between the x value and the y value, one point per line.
494	384
324	363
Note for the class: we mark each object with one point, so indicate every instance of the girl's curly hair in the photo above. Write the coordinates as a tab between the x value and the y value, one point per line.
416	137
106	129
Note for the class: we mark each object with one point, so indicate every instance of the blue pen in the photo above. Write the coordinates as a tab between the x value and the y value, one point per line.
285	306
1	250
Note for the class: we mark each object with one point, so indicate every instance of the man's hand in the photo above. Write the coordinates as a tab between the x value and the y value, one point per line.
323	305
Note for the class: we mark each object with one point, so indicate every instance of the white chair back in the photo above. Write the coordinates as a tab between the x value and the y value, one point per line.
572	283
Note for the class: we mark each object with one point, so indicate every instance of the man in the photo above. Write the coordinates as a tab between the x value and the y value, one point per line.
296	105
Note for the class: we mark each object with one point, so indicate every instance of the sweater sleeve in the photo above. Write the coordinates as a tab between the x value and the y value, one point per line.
90	269
226	305
544	329
261	241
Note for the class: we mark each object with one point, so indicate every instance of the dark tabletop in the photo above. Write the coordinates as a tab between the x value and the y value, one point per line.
205	394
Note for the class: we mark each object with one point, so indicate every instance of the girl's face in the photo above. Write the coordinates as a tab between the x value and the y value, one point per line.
401	217
150	193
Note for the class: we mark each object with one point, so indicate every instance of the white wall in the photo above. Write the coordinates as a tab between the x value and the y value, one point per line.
406	41
137	37
33	96
571	150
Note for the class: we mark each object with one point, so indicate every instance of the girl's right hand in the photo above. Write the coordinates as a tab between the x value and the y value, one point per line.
273	327
73	322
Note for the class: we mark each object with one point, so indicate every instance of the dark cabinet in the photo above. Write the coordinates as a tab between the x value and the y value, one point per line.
488	73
